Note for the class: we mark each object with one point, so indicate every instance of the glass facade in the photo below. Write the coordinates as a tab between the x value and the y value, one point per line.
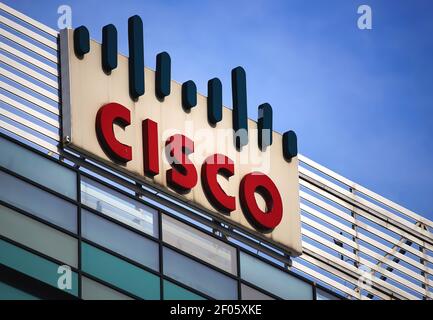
116	246
120	240
199	276
38	236
8	292
274	280
120	273
119	206
198	244
37	202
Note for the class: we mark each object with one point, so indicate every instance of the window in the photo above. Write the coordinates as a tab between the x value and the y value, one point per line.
34	266
120	240
119	206
175	292
249	293
8	292
38	169
38	202
273	280
38	236
198	276
324	295
119	273
92	290
199	244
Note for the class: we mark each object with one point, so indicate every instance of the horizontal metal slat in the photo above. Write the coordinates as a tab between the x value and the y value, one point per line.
367	263
28	20
29	59
30	111
29	124
336	262
29	97
29	71
369	207
25	135
30	46
365	250
328	281
361	224
370	241
30	85
365	191
378	221
29	33
343	276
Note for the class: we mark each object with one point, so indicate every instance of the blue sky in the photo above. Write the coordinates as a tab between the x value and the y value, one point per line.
361	101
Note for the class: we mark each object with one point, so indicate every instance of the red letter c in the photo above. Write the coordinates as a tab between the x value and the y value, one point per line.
262	184
109	114
213	165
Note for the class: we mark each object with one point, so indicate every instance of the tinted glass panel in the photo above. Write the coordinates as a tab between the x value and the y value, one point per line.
38	236
38	202
119	206
198	276
120	240
92	290
8	292
323	295
175	292
249	293
38	169
34	266
273	280
120	273
199	244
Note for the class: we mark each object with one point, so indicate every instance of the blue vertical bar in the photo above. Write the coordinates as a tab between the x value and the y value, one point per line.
214	101
290	145
81	41
264	126
109	48
163	75
189	95
240	117
136	56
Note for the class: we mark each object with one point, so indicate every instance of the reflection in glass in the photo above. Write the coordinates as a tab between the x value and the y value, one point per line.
38	202
120	273
38	236
92	290
323	295
274	280
249	293
34	266
119	206
120	239
38	169
199	244
198	276
175	292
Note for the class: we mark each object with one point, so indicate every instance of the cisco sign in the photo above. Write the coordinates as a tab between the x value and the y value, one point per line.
163	133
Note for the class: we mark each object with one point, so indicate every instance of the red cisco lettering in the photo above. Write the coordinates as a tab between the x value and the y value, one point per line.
108	115
183	175
263	185
150	147
212	166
